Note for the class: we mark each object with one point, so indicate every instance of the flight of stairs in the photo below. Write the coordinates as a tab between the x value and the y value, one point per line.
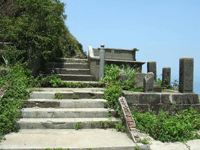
71	70
44	112
49	122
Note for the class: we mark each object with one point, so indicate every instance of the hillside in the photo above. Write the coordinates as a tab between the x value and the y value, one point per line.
67	44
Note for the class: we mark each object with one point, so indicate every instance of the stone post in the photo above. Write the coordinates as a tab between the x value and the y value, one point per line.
34	64
186	74
166	76
151	67
102	62
148	82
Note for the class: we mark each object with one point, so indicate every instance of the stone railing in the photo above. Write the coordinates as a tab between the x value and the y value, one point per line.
186	70
97	58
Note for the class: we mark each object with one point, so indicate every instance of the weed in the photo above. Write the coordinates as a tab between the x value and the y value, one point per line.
74	96
143	141
58	96
56	149
94	97
78	125
137	148
180	126
120	127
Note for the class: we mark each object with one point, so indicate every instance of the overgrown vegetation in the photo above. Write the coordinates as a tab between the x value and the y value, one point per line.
114	88
17	79
39	24
181	126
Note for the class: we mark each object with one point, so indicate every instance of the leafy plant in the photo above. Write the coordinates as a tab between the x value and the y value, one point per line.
94	97
58	96
56	149
74	96
180	126
137	148
17	79
144	141
78	125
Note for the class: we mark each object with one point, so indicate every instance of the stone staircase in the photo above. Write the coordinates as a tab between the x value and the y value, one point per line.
46	122
44	112
71	70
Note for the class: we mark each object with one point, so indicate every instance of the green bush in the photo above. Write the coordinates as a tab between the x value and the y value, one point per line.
17	79
181	126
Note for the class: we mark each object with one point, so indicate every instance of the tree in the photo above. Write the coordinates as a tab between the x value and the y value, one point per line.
39	25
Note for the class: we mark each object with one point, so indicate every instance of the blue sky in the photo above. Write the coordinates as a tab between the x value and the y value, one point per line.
164	31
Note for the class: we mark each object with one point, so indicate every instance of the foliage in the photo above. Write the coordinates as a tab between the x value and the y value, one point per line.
144	141
137	148
56	149
74	96
41	25
58	96
181	126
17	79
174	87
78	125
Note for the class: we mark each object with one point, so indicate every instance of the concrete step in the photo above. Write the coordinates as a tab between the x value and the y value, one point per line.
65	103
65	112
39	139
69	71
73	77
68	65
66	95
66	123
74	60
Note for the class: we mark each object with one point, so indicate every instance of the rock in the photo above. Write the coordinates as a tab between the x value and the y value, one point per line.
148	82
122	75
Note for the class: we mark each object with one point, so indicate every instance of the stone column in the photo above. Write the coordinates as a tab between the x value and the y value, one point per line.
166	76
148	82
186	74
151	67
34	64
102	62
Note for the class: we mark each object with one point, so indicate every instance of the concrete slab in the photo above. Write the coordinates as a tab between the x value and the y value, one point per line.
39	139
65	112
65	103
66	123
69	89
158	145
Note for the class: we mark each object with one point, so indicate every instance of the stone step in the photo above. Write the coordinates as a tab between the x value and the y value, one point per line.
66	95
69	71
40	139
65	112
66	123
65	103
74	60
68	65
73	77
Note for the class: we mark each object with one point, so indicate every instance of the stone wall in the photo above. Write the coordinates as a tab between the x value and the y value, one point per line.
167	101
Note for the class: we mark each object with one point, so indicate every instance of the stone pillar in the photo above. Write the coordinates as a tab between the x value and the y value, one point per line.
151	67
186	74
166	76
34	64
148	82
102	62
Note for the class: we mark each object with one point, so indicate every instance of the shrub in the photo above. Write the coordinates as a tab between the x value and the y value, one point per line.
17	79
181	126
